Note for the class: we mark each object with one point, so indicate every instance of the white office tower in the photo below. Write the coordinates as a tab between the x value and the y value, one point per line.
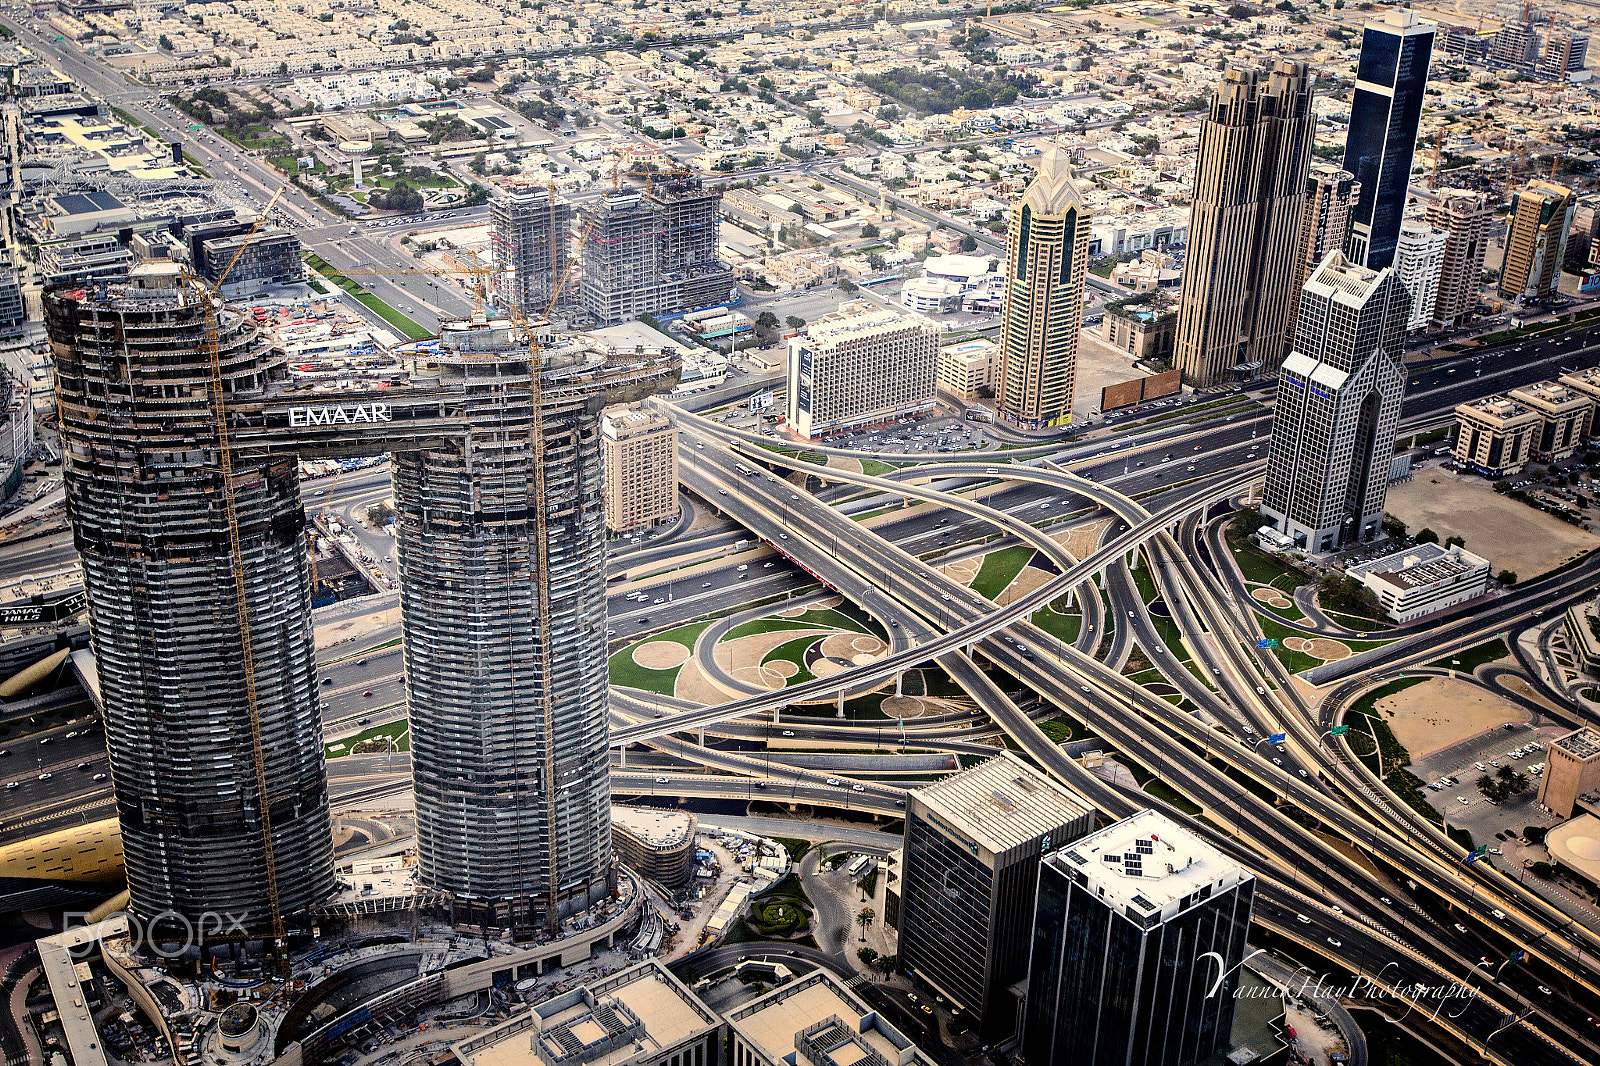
1418	262
1338	408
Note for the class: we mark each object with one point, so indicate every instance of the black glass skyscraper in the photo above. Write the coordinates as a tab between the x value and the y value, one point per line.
1391	78
1138	935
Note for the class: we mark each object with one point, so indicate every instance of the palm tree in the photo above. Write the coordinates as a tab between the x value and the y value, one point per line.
865	919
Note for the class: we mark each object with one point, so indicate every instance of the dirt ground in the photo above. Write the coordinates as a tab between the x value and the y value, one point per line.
1469	507
1081	540
1025	582
660	655
325	636
1099	365
1442	711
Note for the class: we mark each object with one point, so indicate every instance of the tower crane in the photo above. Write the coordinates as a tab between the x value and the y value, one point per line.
210	297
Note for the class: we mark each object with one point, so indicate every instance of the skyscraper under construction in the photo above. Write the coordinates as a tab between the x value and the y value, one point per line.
1250	185
497	470
528	234
199	778
654	251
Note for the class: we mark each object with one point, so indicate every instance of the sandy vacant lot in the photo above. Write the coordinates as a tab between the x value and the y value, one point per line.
1510	535
1442	711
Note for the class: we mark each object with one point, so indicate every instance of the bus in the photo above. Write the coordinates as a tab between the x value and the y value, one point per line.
861	865
745	470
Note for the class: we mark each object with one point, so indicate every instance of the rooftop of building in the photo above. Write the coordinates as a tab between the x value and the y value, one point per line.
1149	862
1580	744
658	829
1424	564
859	318
1585	380
630	421
604	1023
1495	409
1575	844
1550	395
817	1010
1003	802
956	266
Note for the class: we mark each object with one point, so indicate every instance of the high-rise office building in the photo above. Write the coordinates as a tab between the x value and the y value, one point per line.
653	251
972	848
861	365
528	235
1138	941
198	575
1331	195
1391	78
1245	226
197	777
1466	218
13	309
641	453
1541	214
1339	396
1418	262
1564	53
1047	250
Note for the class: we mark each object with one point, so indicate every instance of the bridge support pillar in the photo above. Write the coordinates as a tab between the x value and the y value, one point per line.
702	736
623	748
898	678
841	704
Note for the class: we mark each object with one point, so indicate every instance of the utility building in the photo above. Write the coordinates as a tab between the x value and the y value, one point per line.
212	723
1385	113
1249	192
972	848
528	235
1338	408
1047	249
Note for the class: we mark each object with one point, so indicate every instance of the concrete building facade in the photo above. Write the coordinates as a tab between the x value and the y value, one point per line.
966	370
1467	219
1244	231
1338	408
657	845
1495	435
1572	769
1541	215
860	365
1385	114
1331	196
1047	249
1586	381
641	457
1419	262
972	848
1564	415
653	251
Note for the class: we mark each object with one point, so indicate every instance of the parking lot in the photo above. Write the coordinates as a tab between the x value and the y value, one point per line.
1460	802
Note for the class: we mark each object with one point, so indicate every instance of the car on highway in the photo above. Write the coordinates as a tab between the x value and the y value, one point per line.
1334	942
46	776
327	681
661	780
4	752
98	777
834	782
11	785
84	765
367	693
1500	914
1460	928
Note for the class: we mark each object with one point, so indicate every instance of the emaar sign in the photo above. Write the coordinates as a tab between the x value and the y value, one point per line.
342	415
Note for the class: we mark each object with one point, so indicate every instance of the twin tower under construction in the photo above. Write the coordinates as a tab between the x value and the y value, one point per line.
196	568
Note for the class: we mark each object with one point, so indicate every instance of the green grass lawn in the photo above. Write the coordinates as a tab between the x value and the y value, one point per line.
876	467
629	674
1263	569
399	731
1064	627
764	625
1145	583
794	651
1469	659
999	569
831	617
410	329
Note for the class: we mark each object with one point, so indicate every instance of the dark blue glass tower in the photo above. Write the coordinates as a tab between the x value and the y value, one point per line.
1390	81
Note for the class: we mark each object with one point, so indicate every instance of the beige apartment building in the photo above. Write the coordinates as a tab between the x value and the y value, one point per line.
966	369
640	450
1571	770
1331	195
1495	435
1587	382
1564	417
1466	218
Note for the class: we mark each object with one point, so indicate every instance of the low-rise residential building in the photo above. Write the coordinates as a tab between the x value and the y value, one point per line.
1423	579
1564	417
965	370
1145	332
1495	435
858	366
1587	382
640	451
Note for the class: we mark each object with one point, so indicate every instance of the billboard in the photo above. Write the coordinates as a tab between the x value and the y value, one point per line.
1138	390
761	401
